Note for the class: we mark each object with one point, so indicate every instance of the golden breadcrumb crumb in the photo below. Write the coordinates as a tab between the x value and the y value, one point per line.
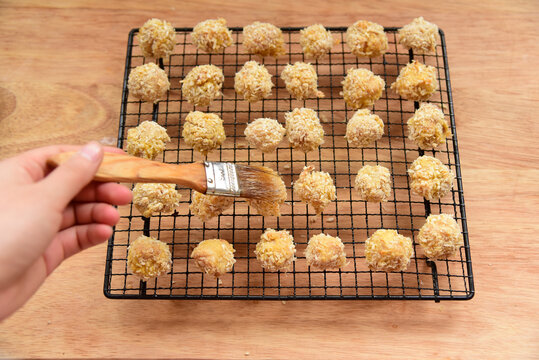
361	88
157	38
364	128
148	258
315	188
203	132
214	257
373	183
365	38
203	84
264	134
316	41
148	82
325	252
416	81
304	130
430	178
253	82
276	250
154	198
212	36
263	39
207	207
419	35
428	128
440	237
387	250
148	140
301	81
270	207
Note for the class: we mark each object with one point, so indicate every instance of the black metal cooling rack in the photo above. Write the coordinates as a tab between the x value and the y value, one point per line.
348	217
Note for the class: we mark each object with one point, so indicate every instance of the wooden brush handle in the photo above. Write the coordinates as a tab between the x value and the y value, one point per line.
126	168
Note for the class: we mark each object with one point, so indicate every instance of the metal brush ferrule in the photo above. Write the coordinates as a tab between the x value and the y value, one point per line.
222	179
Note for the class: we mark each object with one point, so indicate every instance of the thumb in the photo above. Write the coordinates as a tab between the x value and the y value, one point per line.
68	179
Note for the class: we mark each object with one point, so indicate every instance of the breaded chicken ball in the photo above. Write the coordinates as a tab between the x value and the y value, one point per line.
148	258
214	257
428	127
387	250
364	128
148	83
304	130
416	81
203	84
361	88
430	178
152	198
148	140
316	41
440	237
253	82
203	132
301	81
212	36
263	39
276	250
264	134
419	35
206	207
325	252
373	183
270	207
315	188
157	38
365	38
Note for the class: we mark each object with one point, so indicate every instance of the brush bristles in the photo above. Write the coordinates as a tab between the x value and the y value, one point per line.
260	182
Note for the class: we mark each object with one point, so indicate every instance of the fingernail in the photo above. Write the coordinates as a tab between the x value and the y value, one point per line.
91	151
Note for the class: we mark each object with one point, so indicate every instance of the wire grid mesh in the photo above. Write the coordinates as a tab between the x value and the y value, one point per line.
349	218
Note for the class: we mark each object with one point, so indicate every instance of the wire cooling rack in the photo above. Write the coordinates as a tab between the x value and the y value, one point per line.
350	218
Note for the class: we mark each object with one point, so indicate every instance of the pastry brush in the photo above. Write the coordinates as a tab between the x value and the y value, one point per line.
214	178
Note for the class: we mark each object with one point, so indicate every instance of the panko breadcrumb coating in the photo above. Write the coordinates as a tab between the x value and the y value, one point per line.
325	252
207	207
148	82
440	237
263	39
301	81
304	130
157	38
154	198
387	250
276	250
316	41
364	128
428	128
148	258
148	140
203	132
361	88
214	257
416	81
270	207
315	188
203	84
430	178
253	82
264	134
373	183
419	35
365	38
212	36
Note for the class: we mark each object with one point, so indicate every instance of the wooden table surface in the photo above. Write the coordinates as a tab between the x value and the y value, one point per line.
60	82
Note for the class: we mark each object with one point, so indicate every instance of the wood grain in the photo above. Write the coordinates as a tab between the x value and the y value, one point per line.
61	83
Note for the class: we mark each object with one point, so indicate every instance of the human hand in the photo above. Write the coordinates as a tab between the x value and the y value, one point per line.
47	216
